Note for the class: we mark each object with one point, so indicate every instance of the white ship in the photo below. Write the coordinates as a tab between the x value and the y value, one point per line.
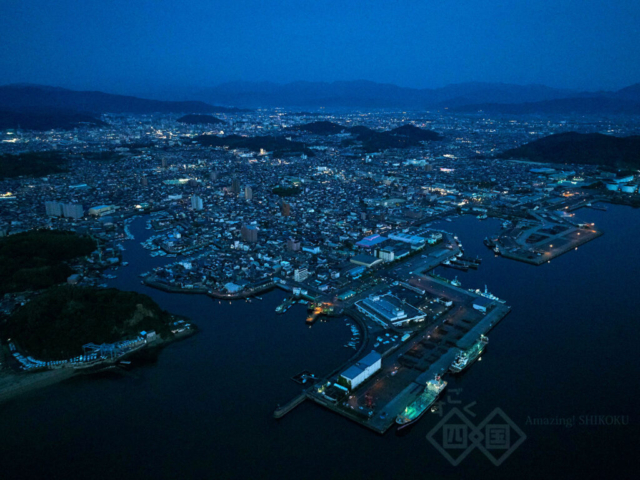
488	295
466	358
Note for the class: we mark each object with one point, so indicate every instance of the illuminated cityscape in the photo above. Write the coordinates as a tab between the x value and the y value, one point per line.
260	277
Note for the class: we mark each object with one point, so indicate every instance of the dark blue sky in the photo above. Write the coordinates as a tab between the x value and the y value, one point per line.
129	45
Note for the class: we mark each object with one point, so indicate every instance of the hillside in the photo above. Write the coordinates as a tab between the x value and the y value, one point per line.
32	164
320	128
200	120
38	259
406	136
47	119
572	147
55	324
632	92
415	133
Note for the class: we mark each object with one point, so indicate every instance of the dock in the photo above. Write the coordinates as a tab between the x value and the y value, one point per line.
376	403
550	248
286	408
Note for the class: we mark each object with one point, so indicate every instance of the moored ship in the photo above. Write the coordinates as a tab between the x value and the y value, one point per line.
487	294
413	412
467	357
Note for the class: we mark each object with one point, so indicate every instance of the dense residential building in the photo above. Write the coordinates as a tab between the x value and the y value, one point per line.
250	233
293	245
196	202
53	209
235	186
72	210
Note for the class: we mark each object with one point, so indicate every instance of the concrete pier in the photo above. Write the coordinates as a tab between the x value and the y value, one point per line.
283	410
395	386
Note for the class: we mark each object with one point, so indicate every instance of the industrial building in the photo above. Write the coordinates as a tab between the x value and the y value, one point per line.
101	210
363	369
414	240
365	260
371	241
388	309
482	304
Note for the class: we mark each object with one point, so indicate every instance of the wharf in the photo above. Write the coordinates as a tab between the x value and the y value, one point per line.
554	247
391	390
387	417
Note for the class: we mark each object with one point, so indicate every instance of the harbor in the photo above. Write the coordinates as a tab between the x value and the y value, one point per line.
406	366
518	346
543	244
542	238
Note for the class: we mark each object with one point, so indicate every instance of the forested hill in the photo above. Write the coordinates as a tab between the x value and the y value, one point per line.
573	147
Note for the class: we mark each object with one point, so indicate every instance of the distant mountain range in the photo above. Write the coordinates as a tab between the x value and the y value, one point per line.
463	97
40	107
19	97
602	104
367	94
584	148
43	107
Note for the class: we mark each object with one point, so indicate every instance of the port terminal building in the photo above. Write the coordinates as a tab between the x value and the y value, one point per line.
389	309
361	370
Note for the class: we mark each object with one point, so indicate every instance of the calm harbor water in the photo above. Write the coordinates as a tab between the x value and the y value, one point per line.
203	408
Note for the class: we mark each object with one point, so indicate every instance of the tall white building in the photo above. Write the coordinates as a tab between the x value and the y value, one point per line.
54	209
196	203
300	274
73	210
